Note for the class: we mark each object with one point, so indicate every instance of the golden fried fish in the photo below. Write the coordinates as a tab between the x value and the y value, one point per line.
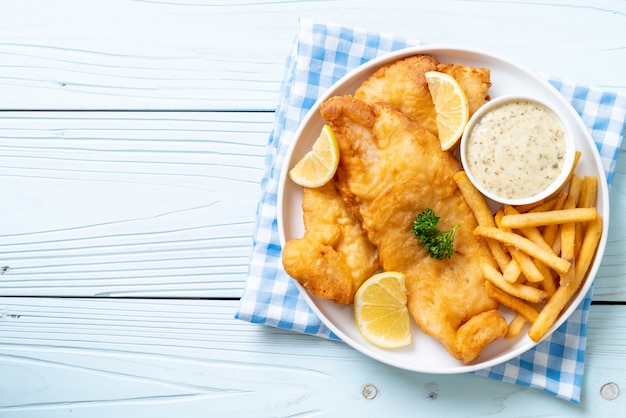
403	85
391	169
334	257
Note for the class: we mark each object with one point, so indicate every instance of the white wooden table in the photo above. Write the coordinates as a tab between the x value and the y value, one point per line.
132	140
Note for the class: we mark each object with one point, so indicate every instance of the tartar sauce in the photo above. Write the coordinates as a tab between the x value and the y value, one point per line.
517	150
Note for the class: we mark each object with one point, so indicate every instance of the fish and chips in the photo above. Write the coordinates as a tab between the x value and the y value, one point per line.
530	259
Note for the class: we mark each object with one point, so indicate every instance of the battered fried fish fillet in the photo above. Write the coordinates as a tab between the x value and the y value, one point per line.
334	257
402	83
474	81
391	169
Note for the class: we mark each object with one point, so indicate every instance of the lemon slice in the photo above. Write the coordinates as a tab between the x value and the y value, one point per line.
451	105
380	310
318	166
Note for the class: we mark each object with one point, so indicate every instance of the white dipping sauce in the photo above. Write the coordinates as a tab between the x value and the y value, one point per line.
517	150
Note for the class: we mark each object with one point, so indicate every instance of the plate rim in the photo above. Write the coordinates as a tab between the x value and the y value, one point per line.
434	49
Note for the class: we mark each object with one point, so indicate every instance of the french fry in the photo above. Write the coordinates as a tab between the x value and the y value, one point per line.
551	310
588	248
578	238
550	232
548	283
525	220
587	199
521	291
546	278
544	207
568	230
544	274
556	245
588	196
474	199
532	232
568	246
515	326
518	305
498	217
573	192
526	265
482	213
499	254
525	245
588	192
531	206
512	272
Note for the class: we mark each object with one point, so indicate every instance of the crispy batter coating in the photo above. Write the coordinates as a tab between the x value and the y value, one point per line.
474	81
334	257
390	170
402	83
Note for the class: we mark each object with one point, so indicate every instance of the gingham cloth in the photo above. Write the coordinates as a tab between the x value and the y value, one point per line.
321	55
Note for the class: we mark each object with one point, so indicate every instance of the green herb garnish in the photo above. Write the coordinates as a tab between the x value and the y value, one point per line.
438	244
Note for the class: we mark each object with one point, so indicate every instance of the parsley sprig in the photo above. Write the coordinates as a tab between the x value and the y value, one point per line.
438	244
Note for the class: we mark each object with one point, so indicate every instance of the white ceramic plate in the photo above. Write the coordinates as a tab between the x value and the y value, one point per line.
426	354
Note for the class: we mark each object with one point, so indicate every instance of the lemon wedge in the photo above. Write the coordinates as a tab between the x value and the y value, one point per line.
451	105
318	166
380	310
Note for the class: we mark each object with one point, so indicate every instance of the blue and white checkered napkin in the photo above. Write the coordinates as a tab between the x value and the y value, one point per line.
321	55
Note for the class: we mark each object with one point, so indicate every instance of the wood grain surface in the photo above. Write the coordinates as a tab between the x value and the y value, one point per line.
132	145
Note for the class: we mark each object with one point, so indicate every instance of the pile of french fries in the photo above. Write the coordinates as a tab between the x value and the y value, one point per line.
542	252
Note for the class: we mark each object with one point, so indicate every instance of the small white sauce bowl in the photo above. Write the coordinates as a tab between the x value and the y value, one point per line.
547	191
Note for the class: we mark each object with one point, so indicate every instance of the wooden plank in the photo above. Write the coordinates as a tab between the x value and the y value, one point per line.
127	204
205	54
105	357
